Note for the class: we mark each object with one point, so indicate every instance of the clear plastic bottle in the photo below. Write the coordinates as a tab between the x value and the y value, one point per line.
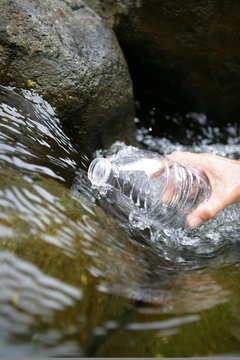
151	189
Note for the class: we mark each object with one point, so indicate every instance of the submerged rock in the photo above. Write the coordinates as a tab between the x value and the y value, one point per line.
66	52
188	49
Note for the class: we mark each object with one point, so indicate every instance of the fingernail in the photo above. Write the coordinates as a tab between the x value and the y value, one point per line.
194	221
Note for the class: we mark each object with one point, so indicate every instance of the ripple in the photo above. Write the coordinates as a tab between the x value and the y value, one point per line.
158	325
31	136
27	294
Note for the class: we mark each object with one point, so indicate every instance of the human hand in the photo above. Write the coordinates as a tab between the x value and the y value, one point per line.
224	178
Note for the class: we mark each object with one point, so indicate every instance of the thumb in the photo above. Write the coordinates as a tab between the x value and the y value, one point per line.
204	212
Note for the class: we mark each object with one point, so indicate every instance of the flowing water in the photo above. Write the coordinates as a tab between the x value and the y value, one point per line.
77	279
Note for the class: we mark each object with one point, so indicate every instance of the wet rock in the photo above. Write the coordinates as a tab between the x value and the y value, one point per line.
188	49
66	52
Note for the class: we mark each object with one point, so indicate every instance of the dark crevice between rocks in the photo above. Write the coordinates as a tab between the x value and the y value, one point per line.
159	89
164	90
164	86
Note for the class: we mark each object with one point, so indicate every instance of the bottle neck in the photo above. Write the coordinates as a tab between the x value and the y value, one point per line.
99	171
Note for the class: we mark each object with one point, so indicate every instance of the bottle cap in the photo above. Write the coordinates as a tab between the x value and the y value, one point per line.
99	171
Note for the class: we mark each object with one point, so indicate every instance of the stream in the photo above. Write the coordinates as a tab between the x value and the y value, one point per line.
76	279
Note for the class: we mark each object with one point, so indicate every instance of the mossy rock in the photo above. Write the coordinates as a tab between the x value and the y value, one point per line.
71	56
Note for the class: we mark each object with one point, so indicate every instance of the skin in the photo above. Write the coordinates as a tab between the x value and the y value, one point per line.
224	178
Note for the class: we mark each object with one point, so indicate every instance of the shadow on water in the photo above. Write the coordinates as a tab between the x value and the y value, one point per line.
77	280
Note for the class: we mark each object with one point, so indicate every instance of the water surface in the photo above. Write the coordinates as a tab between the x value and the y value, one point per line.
76	279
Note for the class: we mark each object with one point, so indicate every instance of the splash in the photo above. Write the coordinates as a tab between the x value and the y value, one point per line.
184	244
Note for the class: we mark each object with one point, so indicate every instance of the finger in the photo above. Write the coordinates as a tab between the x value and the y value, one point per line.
205	212
178	155
184	157
164	165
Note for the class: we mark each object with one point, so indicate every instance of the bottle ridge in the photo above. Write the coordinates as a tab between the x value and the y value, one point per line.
151	189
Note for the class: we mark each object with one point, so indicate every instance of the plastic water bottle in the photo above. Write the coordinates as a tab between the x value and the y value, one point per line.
152	190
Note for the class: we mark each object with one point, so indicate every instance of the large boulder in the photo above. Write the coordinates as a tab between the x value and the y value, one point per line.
66	52
188	49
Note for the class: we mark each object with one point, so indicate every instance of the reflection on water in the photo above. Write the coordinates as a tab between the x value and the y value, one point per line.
27	297
77	280
31	137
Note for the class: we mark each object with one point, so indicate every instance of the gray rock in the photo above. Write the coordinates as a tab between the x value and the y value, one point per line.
191	48
67	53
